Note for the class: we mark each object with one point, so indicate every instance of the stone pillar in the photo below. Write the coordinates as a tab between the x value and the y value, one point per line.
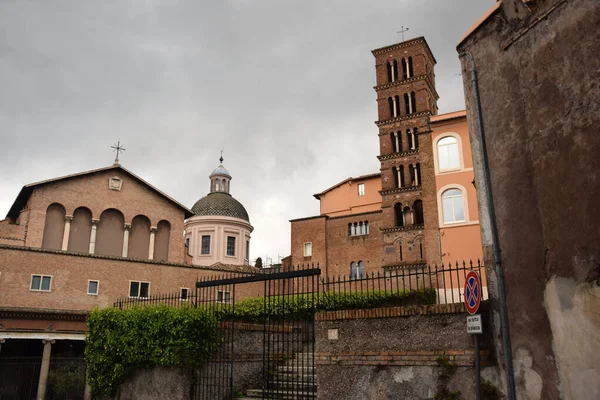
416	172
41	394
406	66
397	141
87	393
93	235
151	247
65	242
398	172
395	107
126	239
412	135
412	216
410	104
1	342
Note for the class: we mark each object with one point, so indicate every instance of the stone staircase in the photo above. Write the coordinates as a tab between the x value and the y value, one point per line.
293	380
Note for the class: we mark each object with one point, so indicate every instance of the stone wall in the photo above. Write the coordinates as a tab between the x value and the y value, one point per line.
363	355
538	79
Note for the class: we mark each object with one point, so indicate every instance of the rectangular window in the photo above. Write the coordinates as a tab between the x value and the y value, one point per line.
40	283
223	296
205	244
139	289
230	245
93	287
308	249
361	189
183	293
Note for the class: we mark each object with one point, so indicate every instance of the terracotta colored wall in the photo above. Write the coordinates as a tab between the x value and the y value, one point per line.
460	241
345	200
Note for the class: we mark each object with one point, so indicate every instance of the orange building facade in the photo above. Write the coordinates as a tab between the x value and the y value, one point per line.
421	208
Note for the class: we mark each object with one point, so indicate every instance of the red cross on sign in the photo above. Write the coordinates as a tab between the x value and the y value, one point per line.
472	292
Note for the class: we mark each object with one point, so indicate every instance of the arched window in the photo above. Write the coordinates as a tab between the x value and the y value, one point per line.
161	241
409	139
357	271
453	206
81	230
389	72
413	102
406	104
416	136
395	71
54	227
397	98
139	237
404	69
418	212
350	229
402	176
354	229
410	67
395	172
447	150
217	186
223	185
109	236
391	104
399	214
366	227
418	173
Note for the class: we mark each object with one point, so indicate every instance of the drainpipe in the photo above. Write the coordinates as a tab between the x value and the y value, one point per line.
508	360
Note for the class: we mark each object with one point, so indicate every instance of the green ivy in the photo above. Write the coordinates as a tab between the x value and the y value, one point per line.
120	341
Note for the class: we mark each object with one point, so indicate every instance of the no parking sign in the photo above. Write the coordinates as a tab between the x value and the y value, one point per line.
472	292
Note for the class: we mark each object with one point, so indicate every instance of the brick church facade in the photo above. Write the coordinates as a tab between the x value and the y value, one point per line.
393	219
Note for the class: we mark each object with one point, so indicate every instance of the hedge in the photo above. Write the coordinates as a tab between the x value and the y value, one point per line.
121	341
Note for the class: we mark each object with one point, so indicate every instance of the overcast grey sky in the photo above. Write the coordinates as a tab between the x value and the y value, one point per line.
283	87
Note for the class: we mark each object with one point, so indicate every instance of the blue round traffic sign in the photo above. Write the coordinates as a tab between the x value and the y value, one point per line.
472	292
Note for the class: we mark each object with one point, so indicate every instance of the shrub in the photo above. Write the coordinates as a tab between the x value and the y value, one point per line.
120	341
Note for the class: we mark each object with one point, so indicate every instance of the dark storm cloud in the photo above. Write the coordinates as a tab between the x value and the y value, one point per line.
285	88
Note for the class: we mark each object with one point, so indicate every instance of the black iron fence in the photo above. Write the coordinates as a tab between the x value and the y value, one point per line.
413	284
19	377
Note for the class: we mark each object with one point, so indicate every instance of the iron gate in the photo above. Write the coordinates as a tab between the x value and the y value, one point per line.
266	324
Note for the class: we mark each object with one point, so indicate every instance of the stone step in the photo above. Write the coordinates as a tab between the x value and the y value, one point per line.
291	369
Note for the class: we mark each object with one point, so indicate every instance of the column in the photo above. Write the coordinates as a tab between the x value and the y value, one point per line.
410	104
65	242
417	183
151	247
397	142
412	135
398	171
395	107
44	369
93	235
406	66
412	216
126	239
393	72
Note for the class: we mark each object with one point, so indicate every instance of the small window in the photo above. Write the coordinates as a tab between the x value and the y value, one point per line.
453	207
223	296
93	287
361	189
357	271
205	245
139	289
231	246
187	246
308	249
183	293
40	283
448	153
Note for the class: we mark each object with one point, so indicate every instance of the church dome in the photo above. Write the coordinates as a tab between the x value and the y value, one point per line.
222	204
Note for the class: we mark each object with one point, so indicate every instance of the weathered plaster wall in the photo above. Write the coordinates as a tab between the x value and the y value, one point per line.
394	358
538	79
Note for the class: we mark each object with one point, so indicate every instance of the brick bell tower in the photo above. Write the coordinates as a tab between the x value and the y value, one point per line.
406	98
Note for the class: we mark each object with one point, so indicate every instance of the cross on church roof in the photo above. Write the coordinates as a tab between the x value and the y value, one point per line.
402	30
117	147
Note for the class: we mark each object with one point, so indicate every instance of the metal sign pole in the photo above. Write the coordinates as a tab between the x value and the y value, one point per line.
477	369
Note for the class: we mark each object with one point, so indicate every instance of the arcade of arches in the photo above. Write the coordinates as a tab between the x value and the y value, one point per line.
109	235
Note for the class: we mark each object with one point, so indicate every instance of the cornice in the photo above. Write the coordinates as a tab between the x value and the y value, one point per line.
41	313
398	155
409	80
399	190
402	228
406	43
404	118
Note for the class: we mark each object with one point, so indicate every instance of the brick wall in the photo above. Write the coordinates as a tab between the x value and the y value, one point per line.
312	230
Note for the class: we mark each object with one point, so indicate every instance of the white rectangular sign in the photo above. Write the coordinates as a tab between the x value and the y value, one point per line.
474	324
